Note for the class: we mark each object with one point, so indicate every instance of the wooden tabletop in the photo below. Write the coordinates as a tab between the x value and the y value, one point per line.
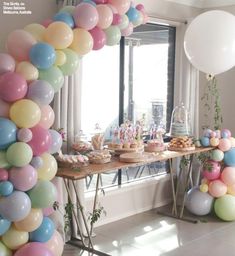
91	169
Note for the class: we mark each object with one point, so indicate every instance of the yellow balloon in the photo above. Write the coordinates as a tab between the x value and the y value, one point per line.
204	188
36	30
59	35
49	167
27	70
14	238
60	58
25	113
82	41
30	222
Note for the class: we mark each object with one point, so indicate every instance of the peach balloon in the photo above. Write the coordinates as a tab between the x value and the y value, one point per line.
19	43
4	108
224	144
217	188
228	176
105	16
31	222
232	140
56	244
122	6
231	190
47	117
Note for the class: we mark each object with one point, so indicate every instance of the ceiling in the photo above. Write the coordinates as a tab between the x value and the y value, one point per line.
204	3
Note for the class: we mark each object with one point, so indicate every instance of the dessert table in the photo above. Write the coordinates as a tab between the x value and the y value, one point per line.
72	175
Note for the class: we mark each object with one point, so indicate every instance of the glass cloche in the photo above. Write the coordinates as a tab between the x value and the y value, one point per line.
180	122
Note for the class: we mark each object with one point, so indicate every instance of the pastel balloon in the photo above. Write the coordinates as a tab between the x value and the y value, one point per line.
229	157
8	132
48	211
214	142
122	6
65	17
56	143
45	23
207	133
140	7
211	170
225	207
124	22
14	238
49	168
71	64
217	155
12	87
36	30
43	194
204	188
225	133
19	43
4	108
60	58
36	162
218	133
47	117
89	2
139	20
105	16
7	63
3	160
99	38
6	188
101	1
44	232
25	113
217	188
31	222
3	174
34	249
27	70
53	76
41	92
4	250
42	55
24	135
68	8
23	178
15	207
133	14
228	176
4	226
232	139
19	154
113	35
59	35
82	41
117	19
128	30
224	144
231	190
85	16
56	244
205	141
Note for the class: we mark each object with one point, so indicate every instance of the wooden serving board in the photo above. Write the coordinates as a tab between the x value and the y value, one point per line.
181	149
135	157
119	151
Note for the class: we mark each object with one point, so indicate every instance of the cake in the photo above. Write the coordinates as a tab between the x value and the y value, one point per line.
99	156
155	146
181	143
179	129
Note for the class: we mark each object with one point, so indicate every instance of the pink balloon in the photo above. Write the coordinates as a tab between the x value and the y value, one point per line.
23	178
122	6
85	16
140	7
34	249
217	188
211	170
99	38
3	174
19	43
46	22
101	1
47	117
12	87
4	108
228	176
114	9
105	16
127	31
47	211
56	244
7	63
224	144
41	140
117	19
24	135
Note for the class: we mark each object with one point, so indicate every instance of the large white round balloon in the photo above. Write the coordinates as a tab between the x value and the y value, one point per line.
209	42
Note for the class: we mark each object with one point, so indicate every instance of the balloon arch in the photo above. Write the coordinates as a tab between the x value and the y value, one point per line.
31	72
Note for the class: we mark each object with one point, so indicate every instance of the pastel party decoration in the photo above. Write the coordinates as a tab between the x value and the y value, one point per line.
38	58
217	155
228	175
225	207
217	188
211	171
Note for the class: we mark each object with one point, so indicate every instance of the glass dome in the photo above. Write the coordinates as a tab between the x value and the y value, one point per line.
180	122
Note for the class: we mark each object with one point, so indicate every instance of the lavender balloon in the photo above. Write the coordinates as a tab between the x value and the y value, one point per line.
57	141
24	135
36	162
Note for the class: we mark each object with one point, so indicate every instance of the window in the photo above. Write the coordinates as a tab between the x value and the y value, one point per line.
141	89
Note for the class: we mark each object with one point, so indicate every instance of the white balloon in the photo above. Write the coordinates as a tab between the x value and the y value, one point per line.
209	42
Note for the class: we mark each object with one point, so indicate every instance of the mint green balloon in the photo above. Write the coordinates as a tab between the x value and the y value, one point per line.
4	251
68	8
217	155
19	154
3	160
71	64
113	35
53	76
43	194
225	207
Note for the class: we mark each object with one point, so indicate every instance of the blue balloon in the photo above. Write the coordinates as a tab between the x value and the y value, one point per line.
229	157
44	232
66	18
6	188
205	141
133	14
8	134
4	225
89	2
42	55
